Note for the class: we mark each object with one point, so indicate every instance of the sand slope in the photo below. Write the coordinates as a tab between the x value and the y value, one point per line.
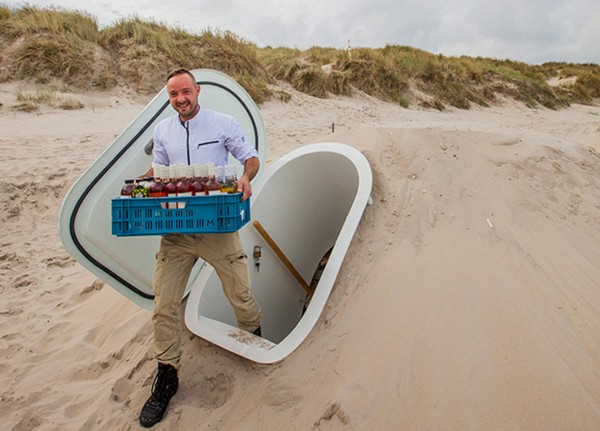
469	298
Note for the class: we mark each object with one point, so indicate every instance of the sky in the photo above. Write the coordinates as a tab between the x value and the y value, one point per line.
532	31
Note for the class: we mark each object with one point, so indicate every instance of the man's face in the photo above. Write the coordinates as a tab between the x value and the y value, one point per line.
183	95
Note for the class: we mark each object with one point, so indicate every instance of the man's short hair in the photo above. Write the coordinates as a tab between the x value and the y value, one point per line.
181	71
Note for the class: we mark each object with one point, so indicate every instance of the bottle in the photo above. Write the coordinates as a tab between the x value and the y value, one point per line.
184	184
156	188
198	188
141	188
171	186
127	188
230	182
204	173
213	187
181	184
220	174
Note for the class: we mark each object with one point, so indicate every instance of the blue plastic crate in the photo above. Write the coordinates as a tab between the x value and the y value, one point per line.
194	214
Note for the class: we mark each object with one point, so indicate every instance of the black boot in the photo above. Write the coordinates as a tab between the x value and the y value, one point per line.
164	387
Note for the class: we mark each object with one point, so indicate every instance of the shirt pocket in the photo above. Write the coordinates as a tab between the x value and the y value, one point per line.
199	145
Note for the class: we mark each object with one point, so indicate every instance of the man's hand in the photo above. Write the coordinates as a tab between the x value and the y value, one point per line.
250	170
149	173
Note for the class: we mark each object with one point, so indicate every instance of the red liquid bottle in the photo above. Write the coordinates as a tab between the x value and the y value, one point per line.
156	188
171	186
184	185
213	187
204	172
198	188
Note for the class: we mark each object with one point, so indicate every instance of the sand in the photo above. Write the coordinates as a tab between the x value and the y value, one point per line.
469	299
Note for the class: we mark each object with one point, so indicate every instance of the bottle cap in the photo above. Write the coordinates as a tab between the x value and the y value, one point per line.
220	173
189	171
230	171
211	168
197	170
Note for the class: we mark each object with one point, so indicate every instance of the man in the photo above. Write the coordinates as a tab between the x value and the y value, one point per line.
195	135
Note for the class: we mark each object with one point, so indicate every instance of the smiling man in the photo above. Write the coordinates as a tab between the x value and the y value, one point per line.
198	135
195	136
183	95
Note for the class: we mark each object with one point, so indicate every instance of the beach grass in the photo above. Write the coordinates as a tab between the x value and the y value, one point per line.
43	45
43	95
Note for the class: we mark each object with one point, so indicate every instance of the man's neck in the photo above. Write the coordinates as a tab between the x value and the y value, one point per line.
189	117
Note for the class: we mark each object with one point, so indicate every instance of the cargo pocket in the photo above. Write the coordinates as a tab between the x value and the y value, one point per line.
234	257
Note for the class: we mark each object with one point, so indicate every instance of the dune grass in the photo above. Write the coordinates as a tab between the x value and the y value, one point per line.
44	95
42	45
30	20
47	44
145	51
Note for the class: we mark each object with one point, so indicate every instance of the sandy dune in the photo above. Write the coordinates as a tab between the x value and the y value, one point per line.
469	300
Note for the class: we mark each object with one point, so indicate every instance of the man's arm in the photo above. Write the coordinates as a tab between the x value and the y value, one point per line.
149	173
250	170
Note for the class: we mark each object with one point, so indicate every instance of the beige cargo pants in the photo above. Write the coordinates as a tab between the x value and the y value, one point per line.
174	262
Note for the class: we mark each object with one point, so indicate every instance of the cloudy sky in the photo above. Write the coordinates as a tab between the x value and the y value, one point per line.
533	31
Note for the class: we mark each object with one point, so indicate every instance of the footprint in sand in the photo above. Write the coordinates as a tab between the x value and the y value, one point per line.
334	413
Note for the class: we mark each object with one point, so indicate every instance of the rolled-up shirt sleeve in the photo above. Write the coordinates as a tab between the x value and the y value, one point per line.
237	144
